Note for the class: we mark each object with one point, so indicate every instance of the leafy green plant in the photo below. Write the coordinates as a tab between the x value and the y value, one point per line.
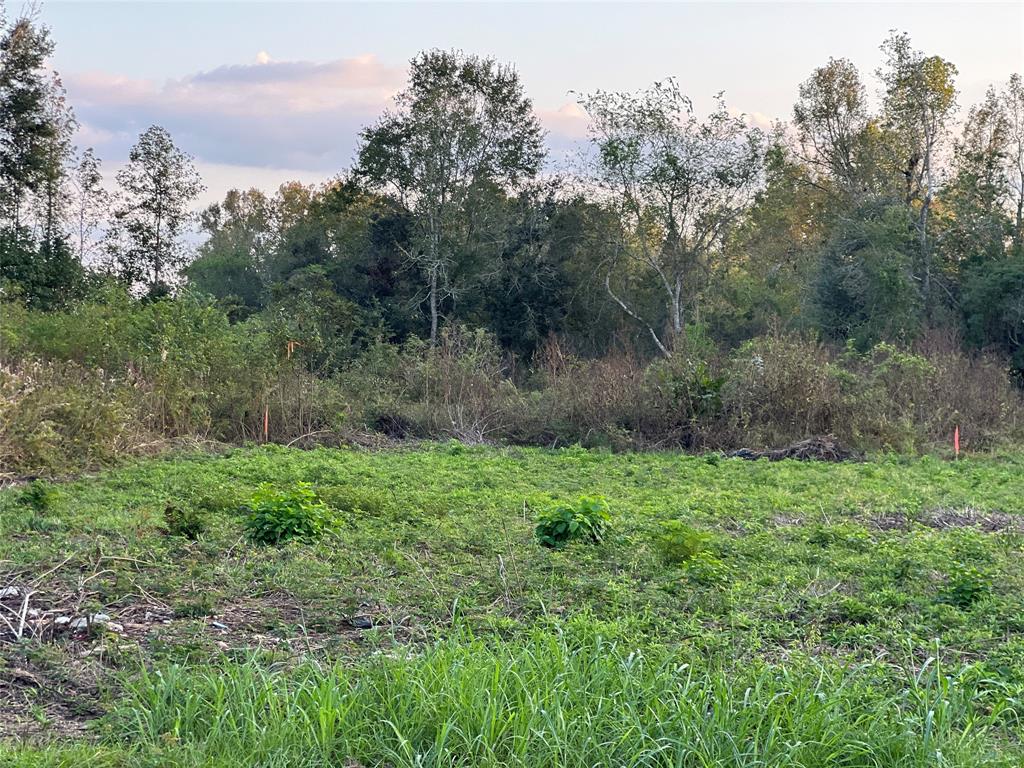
39	495
186	522
706	568
560	524
965	586
278	515
679	542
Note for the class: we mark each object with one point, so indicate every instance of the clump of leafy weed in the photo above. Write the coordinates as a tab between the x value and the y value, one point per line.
851	610
195	608
965	586
847	535
187	522
706	568
559	524
39	495
678	542
278	515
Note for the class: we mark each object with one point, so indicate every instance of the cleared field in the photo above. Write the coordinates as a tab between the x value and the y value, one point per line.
734	613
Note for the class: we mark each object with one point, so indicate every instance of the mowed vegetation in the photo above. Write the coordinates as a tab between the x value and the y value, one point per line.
492	597
727	612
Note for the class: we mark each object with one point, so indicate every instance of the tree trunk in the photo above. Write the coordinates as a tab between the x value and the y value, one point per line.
1018	230
433	305
926	258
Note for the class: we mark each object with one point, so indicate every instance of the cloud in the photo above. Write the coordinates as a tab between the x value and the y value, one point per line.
754	119
569	121
270	114
272	119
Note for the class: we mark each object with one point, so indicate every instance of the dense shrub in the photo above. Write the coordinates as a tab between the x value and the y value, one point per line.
779	389
58	417
275	515
84	385
561	523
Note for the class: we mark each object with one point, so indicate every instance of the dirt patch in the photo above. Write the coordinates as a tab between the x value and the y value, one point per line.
46	695
990	522
822	448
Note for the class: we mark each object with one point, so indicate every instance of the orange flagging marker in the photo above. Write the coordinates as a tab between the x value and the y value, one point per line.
956	441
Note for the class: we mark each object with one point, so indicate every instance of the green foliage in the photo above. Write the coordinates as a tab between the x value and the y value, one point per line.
865	288
560	524
706	568
58	416
43	275
993	309
521	703
965	585
678	542
807	564
275	516
39	495
184	521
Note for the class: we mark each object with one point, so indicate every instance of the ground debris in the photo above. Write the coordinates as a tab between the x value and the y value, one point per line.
988	521
820	448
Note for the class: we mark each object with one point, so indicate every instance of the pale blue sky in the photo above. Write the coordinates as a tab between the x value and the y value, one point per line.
328	68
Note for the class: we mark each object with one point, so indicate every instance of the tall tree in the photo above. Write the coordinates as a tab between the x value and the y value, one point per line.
678	186
89	206
157	186
978	192
461	125
231	262
919	103
832	118
35	143
1013	105
52	197
26	128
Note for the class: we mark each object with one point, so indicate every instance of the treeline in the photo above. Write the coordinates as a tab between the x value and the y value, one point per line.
680	248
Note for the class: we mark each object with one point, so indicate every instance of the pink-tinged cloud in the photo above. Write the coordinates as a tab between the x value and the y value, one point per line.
272	114
568	121
294	117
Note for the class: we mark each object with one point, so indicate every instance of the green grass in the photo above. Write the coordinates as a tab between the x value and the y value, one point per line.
804	614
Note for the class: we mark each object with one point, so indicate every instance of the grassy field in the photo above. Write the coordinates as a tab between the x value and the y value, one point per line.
733	614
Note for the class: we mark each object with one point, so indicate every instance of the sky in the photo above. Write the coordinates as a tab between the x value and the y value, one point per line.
262	93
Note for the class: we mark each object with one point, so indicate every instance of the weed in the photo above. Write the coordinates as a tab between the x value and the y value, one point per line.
559	524
706	568
39	495
678	542
276	515
965	586
186	522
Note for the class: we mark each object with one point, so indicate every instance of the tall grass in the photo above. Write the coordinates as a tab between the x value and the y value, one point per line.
552	701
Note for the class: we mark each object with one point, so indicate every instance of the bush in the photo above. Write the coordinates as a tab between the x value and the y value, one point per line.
60	417
596	403
705	568
463	386
276	516
560	524
780	389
